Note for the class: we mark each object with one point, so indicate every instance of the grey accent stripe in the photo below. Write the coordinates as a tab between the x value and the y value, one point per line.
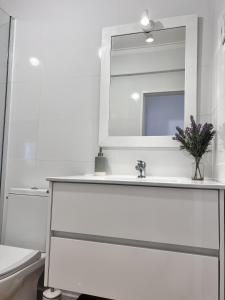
137	243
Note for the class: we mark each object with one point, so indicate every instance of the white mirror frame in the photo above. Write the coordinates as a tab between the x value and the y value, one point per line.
191	51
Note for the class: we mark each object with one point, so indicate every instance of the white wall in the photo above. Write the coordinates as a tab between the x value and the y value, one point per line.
55	106
218	94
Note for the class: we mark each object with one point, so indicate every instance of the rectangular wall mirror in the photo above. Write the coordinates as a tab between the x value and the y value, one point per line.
148	82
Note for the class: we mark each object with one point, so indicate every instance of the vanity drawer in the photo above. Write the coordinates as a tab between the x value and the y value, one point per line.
186	217
130	273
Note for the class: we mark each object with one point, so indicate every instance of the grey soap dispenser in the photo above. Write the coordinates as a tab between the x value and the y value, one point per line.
100	163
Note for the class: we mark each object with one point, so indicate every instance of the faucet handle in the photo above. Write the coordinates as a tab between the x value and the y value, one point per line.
141	166
141	163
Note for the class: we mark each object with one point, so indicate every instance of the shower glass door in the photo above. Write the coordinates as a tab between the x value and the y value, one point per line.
5	25
5	21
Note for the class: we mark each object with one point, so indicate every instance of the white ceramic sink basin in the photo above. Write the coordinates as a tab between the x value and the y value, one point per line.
160	179
135	178
147	181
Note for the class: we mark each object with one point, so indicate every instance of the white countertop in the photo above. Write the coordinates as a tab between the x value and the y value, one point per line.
148	181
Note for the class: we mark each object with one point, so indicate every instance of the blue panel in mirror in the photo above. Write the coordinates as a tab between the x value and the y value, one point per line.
162	112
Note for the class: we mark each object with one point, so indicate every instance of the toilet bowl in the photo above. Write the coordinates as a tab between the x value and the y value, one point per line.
22	255
20	270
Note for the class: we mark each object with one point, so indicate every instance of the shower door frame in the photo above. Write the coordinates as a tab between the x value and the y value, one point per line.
7	108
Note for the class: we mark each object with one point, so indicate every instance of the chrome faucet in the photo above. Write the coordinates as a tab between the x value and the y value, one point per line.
141	166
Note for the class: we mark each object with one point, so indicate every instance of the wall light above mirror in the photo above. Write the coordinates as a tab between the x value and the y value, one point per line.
148	82
146	23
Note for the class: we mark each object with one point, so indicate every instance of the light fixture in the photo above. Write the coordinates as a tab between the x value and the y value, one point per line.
146	23
150	38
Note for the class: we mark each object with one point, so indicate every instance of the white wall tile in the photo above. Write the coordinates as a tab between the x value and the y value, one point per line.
203	118
159	161
26	101
21	173
204	105
28	43
61	168
76	98
23	140
35	172
205	31
219	93
55	105
66	139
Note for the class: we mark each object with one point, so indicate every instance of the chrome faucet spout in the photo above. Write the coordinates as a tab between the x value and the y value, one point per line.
141	167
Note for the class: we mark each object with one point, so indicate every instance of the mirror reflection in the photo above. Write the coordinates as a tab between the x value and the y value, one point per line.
147	83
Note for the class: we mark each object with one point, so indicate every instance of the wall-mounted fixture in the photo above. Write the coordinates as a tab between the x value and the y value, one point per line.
149	38
146	23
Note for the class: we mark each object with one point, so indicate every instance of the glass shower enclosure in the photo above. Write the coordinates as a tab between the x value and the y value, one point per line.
5	29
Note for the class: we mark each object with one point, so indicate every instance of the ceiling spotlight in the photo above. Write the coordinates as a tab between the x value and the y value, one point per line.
146	23
149	38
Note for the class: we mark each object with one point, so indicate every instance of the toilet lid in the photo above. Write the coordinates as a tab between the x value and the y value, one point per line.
13	259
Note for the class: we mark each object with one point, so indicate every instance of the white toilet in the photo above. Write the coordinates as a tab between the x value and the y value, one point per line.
22	252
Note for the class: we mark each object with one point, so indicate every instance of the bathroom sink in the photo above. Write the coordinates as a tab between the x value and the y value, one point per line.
133	178
161	179
147	181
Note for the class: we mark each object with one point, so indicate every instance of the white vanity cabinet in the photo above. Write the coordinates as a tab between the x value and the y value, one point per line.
128	240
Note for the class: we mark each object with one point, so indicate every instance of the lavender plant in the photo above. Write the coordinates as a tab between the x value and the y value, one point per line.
195	140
